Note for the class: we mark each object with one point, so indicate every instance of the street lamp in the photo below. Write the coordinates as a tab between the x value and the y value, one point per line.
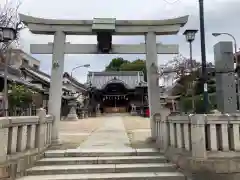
190	37
7	35
228	34
85	65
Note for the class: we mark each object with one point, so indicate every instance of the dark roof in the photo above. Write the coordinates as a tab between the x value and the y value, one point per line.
41	76
37	74
23	82
130	78
75	81
17	73
116	73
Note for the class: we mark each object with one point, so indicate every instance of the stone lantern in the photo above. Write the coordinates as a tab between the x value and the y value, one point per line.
72	115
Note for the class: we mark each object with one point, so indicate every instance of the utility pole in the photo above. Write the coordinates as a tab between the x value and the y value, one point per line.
203	54
5	96
192	77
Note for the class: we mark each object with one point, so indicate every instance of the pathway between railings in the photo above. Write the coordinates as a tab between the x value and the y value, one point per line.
112	134
110	151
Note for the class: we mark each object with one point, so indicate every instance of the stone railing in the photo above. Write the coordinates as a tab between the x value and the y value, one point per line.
208	142
23	141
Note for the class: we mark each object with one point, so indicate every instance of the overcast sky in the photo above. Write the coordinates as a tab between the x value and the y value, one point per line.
220	16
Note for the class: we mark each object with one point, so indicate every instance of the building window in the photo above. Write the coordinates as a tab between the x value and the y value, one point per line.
35	66
25	62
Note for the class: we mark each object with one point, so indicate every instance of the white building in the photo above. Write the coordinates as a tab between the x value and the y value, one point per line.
20	58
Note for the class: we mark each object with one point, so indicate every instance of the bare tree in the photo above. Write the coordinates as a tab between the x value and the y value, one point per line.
176	68
8	19
184	71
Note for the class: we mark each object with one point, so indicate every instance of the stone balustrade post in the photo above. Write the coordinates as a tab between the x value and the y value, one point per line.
3	140
157	119
40	130
3	148
198	136
162	140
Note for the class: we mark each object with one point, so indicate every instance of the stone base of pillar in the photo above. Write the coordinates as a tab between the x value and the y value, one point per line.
81	115
134	113
152	139
98	114
55	142
84	115
72	116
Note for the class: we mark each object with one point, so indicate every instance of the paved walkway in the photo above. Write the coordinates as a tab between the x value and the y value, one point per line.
111	135
119	131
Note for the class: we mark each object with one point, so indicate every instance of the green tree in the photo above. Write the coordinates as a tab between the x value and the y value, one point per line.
137	65
115	64
119	64
19	96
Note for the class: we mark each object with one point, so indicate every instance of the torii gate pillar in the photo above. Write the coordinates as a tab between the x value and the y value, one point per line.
61	28
152	79
55	92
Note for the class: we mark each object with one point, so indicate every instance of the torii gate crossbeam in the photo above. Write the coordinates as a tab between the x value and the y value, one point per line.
92	49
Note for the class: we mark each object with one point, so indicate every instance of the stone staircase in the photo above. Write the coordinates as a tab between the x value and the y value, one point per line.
85	164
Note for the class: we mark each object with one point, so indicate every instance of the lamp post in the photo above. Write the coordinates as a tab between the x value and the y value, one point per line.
7	35
190	37
85	65
203	54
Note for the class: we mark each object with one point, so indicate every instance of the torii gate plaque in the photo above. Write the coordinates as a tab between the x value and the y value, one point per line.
104	29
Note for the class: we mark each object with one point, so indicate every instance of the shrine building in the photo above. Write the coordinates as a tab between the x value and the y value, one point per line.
118	91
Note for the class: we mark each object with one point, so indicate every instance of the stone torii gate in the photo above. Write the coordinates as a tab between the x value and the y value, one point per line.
104	29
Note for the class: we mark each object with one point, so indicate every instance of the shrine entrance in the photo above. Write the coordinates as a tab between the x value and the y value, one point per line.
115	98
103	29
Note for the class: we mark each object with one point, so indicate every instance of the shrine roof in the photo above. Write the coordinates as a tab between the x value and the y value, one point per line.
130	78
116	73
75	81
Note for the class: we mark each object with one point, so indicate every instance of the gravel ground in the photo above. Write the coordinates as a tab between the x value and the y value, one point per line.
139	132
135	122
73	133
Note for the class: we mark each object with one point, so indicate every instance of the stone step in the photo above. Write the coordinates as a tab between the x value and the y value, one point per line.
101	152
101	160
101	168
111	176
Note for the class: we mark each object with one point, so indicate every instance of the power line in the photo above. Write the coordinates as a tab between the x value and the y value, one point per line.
171	1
